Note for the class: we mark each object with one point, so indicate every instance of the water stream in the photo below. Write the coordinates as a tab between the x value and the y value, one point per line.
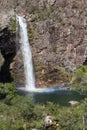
27	55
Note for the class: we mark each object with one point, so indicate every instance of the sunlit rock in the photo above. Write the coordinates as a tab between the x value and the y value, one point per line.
73	103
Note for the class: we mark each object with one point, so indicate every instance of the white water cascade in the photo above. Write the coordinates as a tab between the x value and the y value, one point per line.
27	58
27	55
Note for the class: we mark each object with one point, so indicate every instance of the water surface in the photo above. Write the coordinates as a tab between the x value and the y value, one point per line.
62	97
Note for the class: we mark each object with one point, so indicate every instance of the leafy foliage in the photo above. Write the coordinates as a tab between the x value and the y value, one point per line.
81	74
7	91
79	79
24	114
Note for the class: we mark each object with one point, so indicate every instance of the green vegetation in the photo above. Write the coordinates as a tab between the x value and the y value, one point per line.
13	26
8	92
81	74
82	87
79	79
54	48
22	114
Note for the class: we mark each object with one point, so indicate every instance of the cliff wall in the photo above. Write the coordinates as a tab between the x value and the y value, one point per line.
58	36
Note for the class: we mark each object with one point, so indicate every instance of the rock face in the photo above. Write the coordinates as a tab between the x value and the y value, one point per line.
17	69
57	34
1	60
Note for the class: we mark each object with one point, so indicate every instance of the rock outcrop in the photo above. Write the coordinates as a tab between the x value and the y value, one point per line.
57	34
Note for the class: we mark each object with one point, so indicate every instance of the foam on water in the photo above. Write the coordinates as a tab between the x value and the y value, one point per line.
40	90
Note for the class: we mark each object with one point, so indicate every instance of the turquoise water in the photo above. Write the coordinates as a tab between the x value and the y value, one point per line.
62	97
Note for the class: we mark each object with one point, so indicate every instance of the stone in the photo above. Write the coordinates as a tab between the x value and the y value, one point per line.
48	120
73	103
51	2
49	123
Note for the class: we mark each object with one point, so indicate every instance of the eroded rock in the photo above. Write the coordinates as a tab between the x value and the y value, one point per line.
57	34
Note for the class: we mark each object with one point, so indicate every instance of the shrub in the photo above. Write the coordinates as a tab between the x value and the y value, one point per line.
7	92
81	74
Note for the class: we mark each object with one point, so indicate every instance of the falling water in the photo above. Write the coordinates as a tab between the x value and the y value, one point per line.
27	58
27	55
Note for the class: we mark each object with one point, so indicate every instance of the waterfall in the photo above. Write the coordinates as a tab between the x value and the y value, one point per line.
26	53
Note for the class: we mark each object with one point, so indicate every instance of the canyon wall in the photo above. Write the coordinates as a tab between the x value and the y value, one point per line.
57	32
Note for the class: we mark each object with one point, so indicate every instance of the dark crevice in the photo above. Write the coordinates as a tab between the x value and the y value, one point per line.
8	50
85	62
7	41
5	75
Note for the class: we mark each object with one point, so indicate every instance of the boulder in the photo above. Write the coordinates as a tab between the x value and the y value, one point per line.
49	123
73	103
